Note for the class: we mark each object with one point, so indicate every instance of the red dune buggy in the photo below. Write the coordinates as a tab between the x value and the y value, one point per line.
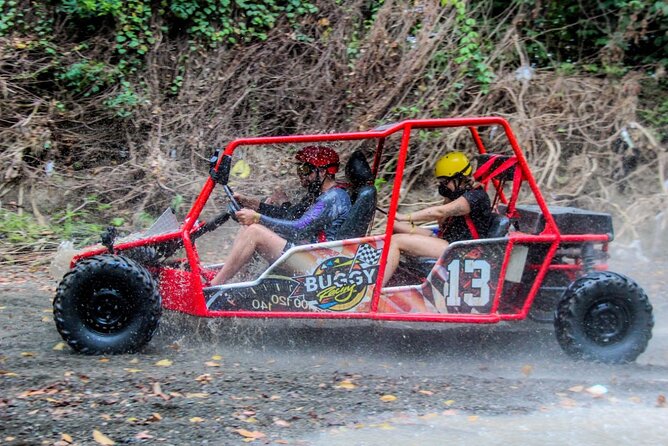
543	262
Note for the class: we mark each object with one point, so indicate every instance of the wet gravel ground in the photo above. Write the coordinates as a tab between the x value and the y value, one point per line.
282	382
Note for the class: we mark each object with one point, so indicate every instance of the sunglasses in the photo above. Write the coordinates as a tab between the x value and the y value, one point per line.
305	169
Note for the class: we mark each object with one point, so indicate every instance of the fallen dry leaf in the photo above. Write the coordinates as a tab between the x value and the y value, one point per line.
27	354
164	363
100	438
133	370
216	357
346	384
59	346
473	417
527	370
206	378
281	423
197	395
143	435
449	402
388	398
154	417
66	438
7	373
196	420
426	392
157	391
212	364
576	389
250	434
103	359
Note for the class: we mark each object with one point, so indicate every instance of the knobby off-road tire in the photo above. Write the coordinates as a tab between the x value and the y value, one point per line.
604	317
107	304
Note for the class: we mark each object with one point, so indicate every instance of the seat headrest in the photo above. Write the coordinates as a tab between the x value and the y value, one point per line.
358	171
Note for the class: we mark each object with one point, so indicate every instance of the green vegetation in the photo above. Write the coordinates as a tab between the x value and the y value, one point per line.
95	67
23	230
607	36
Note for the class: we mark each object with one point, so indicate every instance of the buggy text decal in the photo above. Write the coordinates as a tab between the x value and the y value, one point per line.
339	283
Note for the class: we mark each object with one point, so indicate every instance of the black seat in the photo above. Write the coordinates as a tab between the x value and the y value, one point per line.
363	197
498	226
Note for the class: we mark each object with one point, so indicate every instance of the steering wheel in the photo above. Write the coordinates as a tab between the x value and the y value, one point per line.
221	218
234	204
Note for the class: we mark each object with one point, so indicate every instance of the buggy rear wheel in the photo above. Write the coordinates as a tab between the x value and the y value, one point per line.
604	317
107	304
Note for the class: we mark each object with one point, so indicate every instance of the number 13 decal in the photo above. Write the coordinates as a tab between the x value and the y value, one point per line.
479	270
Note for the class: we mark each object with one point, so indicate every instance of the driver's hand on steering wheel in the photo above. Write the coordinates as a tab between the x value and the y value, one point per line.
247	216
246	201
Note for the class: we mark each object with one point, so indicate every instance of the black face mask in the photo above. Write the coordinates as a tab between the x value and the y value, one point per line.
314	186
445	192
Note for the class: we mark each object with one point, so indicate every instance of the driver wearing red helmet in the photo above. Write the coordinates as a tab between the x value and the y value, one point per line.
271	230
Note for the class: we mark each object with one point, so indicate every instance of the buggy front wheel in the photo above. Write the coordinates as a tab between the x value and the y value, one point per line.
107	304
604	316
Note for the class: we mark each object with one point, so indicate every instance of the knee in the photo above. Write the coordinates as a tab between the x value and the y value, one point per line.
399	240
257	232
254	230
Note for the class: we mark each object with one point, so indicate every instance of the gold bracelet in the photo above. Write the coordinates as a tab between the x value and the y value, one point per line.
256	218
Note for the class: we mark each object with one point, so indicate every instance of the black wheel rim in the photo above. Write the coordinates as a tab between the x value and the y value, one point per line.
607	321
108	310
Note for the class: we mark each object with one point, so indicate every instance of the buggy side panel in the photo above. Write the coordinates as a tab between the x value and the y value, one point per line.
465	280
326	277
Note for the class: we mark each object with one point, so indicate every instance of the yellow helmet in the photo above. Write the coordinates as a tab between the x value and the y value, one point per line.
452	164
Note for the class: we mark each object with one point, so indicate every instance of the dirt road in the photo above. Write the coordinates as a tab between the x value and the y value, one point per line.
311	383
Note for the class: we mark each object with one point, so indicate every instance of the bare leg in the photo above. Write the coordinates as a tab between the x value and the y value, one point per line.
412	244
249	240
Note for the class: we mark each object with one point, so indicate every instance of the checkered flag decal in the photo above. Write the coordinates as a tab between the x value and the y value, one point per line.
368	255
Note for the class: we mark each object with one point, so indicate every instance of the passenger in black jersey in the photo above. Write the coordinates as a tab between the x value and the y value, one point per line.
465	214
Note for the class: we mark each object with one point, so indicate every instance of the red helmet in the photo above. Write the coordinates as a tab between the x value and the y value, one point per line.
319	156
